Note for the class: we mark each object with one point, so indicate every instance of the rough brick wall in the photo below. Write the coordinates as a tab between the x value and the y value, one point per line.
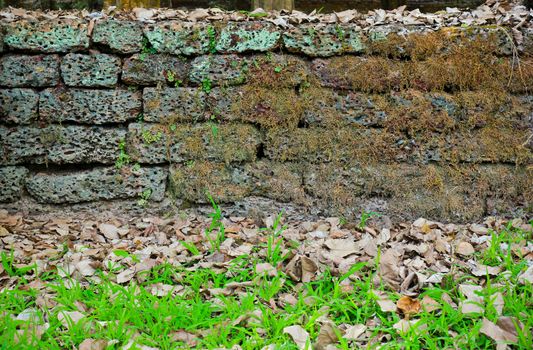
328	117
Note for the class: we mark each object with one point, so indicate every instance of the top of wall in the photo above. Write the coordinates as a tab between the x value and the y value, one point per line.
490	13
191	33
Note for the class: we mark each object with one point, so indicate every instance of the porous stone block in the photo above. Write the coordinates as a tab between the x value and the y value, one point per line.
94	70
97	184
57	144
145	69
241	37
218	70
18	106
527	46
89	106
12	182
324	41
230	183
156	143
181	38
124	37
61	35
171	105
29	71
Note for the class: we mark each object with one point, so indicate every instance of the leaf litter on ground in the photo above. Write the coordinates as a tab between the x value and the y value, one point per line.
83	282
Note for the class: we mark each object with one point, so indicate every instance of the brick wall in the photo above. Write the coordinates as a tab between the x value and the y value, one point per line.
332	118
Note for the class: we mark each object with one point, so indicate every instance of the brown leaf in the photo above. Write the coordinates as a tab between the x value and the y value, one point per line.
408	306
496	333
326	336
428	304
354	332
465	248
109	231
389	268
68	318
309	268
342	247
299	336
93	344
384	302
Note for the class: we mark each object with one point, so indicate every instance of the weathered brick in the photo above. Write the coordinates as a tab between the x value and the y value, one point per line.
56	144
218	70
97	184
96	70
156	143
18	106
181	38
169	105
29	71
124	37
144	69
89	106
241	37
12	182
230	183
317	145
324	41
62	35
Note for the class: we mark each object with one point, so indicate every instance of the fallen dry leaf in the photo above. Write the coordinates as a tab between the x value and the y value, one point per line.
389	268
326	336
465	249
384	302
309	268
299	336
342	247
496	333
428	304
403	326
526	276
354	332
109	231
68	318
408	306
93	344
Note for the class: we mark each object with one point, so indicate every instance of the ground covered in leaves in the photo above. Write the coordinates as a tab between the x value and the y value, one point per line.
234	283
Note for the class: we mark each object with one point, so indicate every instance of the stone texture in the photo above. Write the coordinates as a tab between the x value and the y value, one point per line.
145	69
218	70
325	41
171	105
97	184
18	106
344	144
29	71
156	143
120	36
248	36
12	182
231	183
94	70
59	145
181	38
528	41
89	106
63	35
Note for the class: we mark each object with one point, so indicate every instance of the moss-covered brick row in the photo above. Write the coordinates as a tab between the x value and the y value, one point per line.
239	37
12	182
174	105
218	70
153	69
317	145
56	144
89	106
324	40
125	37
98	184
181	38
29	71
90	70
230	183
490	144
451	193
160	143
48	36
18	106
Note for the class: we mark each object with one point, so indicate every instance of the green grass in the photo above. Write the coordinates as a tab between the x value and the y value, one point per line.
122	312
